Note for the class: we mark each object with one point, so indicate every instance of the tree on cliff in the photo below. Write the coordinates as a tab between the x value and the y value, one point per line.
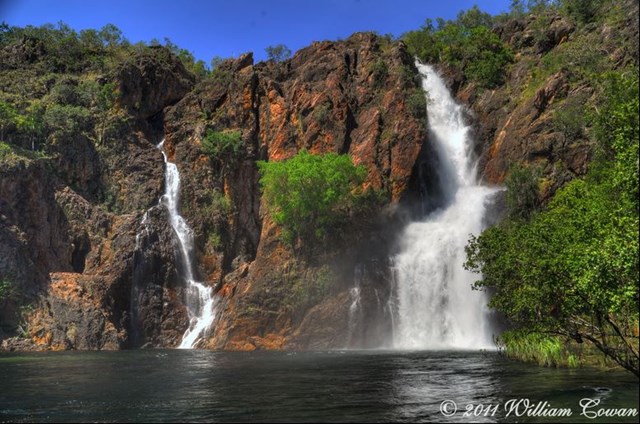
309	194
278	53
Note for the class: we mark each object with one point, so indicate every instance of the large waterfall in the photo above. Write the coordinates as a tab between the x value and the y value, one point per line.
436	306
200	300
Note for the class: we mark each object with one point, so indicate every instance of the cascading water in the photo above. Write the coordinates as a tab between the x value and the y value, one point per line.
200	301
436	306
355	309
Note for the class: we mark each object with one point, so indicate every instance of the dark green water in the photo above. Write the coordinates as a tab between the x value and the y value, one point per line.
182	385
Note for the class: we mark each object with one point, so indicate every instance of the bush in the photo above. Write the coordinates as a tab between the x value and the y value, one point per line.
468	43
522	191
310	194
581	11
222	145
379	72
417	103
569	118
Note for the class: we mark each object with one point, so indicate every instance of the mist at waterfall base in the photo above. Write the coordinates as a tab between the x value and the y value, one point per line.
181	385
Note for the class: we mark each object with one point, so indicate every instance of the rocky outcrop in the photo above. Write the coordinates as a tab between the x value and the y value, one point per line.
69	226
87	258
112	280
151	81
349	97
540	115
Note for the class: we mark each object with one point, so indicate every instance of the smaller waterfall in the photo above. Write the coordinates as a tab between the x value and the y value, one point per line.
200	301
355	309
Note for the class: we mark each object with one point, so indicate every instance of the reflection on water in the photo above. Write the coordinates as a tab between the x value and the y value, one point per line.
162	385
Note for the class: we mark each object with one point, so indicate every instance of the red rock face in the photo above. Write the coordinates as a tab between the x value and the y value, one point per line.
330	97
68	228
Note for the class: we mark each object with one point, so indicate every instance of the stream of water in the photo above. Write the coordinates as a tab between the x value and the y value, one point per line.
200	301
436	306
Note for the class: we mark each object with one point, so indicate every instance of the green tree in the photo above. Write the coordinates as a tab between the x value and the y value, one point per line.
66	120
572	269
32	123
522	191
310	194
467	43
8	115
111	36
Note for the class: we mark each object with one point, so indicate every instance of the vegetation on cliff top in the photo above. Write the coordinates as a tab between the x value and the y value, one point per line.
58	83
467	43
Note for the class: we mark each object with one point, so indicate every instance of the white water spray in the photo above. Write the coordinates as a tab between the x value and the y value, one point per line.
436	306
200	301
355	309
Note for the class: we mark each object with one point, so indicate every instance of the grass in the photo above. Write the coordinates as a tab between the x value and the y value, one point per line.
532	347
550	351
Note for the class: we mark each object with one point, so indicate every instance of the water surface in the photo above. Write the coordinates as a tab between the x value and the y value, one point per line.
187	385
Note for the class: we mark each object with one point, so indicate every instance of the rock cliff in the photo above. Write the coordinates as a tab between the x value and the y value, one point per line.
87	257
350	97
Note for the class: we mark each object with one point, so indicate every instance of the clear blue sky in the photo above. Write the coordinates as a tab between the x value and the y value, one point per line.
229	28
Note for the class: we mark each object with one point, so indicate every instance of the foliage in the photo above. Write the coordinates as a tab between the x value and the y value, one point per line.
216	206
580	11
572	269
66	120
569	118
221	76
466	43
196	67
57	83
214	240
216	61
417	103
11	154
542	349
8	116
309	194
379	72
222	146
278	53
616	128
522	184
7	290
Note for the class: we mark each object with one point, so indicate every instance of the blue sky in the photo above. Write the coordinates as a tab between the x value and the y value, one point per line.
229	28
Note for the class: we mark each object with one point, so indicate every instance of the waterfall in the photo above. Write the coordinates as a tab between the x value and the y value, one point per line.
355	309
436	306
200	301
